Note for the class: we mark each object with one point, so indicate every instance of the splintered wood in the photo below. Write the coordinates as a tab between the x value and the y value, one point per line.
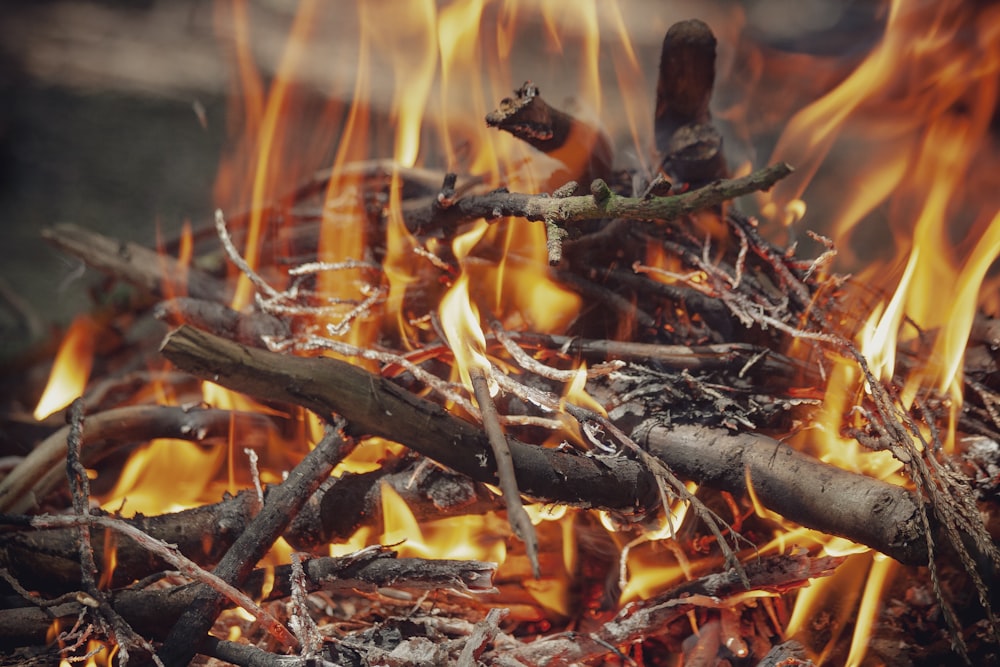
640	450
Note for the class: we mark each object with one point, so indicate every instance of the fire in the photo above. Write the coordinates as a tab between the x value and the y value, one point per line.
71	367
921	103
448	64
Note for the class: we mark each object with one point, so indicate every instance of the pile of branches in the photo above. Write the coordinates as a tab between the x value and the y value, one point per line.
689	365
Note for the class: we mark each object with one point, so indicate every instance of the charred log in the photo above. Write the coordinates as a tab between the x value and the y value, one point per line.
871	512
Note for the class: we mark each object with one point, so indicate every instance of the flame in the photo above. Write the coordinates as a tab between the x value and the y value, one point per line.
460	317
920	105
71	367
464	537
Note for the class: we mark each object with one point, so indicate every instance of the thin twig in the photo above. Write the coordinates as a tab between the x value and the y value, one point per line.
519	520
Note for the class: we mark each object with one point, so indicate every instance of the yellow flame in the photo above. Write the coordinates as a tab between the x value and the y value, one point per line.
71	367
878	577
476	537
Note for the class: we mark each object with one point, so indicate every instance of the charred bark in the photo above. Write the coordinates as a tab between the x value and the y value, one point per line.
871	512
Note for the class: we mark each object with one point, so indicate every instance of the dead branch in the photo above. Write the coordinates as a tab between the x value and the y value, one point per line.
378	407
602	203
871	512
248	328
159	274
47	560
519	520
734	357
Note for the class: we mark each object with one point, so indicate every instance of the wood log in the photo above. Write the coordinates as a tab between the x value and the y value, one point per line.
600	204
379	407
48	561
870	512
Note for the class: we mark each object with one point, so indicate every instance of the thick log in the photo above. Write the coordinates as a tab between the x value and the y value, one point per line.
376	406
868	511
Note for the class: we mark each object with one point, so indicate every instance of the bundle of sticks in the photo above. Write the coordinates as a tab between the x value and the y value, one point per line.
690	368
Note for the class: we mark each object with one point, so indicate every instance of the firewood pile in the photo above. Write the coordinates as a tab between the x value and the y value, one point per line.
697	366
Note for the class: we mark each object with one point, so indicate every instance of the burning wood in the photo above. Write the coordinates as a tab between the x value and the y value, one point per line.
657	433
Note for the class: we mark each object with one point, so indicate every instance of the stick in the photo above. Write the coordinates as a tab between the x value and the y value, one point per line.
379	407
602	203
519	520
47	560
249	328
584	149
723	357
280	505
159	274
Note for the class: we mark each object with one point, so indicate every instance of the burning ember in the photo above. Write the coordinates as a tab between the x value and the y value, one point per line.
482	377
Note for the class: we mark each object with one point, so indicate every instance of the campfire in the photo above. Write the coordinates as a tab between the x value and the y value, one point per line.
500	379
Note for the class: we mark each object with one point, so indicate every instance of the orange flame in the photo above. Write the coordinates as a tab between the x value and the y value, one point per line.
71	367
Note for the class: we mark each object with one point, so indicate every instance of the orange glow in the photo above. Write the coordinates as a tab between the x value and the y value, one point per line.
463	537
167	476
414	24
460	320
71	367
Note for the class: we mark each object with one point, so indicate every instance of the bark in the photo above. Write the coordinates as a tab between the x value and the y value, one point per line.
600	204
47	561
582	148
868	511
376	406
249	328
689	145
